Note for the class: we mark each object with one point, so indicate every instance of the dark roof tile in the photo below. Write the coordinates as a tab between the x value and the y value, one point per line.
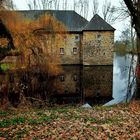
72	20
98	24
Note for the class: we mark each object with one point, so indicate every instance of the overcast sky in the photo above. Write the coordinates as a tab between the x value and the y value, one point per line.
22	5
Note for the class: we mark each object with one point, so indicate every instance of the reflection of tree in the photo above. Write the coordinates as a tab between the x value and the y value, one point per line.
28	38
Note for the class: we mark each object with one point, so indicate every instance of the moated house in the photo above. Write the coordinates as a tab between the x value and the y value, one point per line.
87	43
83	43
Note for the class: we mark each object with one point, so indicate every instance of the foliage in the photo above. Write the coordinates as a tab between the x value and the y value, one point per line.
62	122
36	41
31	38
5	67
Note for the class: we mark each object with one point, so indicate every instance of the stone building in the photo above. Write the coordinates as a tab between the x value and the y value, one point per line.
83	43
87	43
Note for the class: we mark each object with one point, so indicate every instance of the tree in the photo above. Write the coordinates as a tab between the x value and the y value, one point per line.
45	4
134	9
109	12
95	8
10	4
33	39
7	4
81	7
6	40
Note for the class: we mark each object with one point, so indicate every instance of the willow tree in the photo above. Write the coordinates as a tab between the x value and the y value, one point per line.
36	42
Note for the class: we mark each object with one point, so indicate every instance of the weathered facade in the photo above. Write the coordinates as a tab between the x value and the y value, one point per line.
83	43
98	37
86	43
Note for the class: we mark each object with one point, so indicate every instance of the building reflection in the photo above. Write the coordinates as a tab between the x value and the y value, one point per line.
74	85
77	84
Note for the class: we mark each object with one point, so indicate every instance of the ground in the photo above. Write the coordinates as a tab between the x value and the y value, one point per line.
73	123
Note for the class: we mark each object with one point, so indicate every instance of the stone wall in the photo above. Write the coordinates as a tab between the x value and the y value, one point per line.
67	48
71	41
97	80
68	81
89	48
98	48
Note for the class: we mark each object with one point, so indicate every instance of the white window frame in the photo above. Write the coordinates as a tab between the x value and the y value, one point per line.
62	51
75	50
99	37
62	78
77	37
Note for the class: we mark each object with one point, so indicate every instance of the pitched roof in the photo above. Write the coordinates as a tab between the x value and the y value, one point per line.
72	20
98	24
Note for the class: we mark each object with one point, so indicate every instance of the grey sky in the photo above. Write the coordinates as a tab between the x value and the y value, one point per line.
22	5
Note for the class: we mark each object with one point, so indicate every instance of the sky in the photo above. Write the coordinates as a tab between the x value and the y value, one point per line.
119	26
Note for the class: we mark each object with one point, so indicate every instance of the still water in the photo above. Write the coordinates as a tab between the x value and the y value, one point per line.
99	84
121	71
75	84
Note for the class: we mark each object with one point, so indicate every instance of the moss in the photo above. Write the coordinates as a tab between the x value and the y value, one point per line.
5	67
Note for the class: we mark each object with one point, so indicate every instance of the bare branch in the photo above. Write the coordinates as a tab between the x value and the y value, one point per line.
95	8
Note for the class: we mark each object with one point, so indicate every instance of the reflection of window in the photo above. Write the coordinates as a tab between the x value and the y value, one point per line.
62	78
77	37
11	78
65	37
74	50
75	78
99	37
61	50
66	91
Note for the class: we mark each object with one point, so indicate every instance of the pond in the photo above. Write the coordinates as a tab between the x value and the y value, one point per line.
99	84
75	84
121	78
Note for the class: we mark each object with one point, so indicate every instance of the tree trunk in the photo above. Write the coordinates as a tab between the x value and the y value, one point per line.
138	67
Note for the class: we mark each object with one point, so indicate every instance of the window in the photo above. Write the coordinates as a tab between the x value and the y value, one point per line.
61	50
74	50
99	37
65	38
62	78
11	78
66	91
77	38
75	78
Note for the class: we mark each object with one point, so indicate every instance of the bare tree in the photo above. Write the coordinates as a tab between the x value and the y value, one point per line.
33	4
95	8
109	12
134	9
122	11
64	5
81	7
74	5
56	5
44	4
8	4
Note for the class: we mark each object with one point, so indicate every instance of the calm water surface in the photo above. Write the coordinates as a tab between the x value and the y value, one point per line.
75	84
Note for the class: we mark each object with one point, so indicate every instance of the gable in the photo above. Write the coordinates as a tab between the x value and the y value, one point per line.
98	24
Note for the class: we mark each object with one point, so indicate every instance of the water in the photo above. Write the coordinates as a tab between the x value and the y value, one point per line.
74	85
121	71
81	84
101	84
